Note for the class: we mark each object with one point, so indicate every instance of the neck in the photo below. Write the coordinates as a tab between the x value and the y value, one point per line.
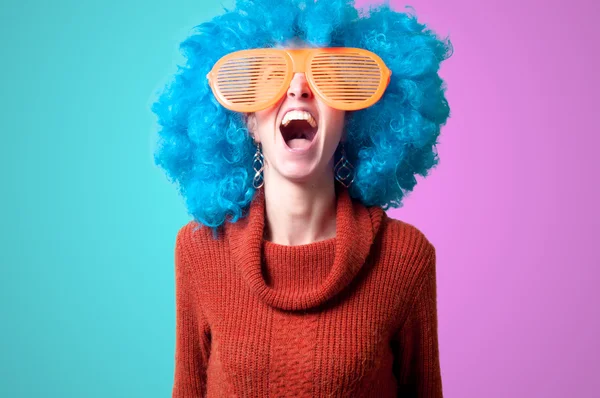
299	213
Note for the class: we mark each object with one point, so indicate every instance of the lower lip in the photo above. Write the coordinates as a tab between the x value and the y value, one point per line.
299	151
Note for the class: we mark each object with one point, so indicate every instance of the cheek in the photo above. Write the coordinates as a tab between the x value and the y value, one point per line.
262	117
264	122
266	117
341	117
338	121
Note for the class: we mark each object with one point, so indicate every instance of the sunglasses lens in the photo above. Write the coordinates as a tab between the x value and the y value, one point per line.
249	81
344	78
349	80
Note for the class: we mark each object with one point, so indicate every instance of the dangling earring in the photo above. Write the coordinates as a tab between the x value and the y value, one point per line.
258	165
344	171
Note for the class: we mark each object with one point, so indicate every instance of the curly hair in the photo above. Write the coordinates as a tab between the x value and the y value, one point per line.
207	150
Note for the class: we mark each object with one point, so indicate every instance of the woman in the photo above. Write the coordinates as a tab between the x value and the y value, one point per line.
291	280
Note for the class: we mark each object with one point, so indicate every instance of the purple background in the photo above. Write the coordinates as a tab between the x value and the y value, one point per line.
88	232
510	208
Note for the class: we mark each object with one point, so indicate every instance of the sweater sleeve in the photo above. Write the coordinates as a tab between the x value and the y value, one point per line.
192	336
415	346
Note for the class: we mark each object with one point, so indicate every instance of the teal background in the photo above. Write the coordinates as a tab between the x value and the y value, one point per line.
89	224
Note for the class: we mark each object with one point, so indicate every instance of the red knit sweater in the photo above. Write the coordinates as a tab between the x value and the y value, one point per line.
351	316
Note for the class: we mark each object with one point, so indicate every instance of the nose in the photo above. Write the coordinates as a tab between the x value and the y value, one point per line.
299	87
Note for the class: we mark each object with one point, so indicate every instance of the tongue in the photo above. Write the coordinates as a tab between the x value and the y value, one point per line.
298	143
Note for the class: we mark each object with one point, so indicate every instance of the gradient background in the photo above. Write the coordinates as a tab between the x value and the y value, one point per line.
89	223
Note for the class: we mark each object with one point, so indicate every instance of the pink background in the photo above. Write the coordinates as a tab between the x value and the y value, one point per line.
510	208
88	232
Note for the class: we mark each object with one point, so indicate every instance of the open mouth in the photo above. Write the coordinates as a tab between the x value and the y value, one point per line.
298	129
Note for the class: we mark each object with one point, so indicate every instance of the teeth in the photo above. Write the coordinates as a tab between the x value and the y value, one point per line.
298	115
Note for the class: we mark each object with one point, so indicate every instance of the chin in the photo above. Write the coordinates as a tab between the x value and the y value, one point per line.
297	172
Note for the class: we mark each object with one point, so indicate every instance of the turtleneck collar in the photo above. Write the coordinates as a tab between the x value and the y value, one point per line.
356	229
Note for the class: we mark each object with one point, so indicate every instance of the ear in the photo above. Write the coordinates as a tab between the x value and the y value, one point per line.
250	119
344	136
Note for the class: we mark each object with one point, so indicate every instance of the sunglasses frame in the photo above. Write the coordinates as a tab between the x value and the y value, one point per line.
298	61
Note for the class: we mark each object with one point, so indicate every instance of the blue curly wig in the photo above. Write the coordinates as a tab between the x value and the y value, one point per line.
207	150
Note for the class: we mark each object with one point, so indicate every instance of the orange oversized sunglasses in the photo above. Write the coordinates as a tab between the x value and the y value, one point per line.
342	77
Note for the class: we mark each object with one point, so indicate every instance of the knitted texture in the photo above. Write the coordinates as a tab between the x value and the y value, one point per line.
351	316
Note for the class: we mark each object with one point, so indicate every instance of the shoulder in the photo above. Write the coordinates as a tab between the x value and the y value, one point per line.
195	251
408	248
405	234
194	238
